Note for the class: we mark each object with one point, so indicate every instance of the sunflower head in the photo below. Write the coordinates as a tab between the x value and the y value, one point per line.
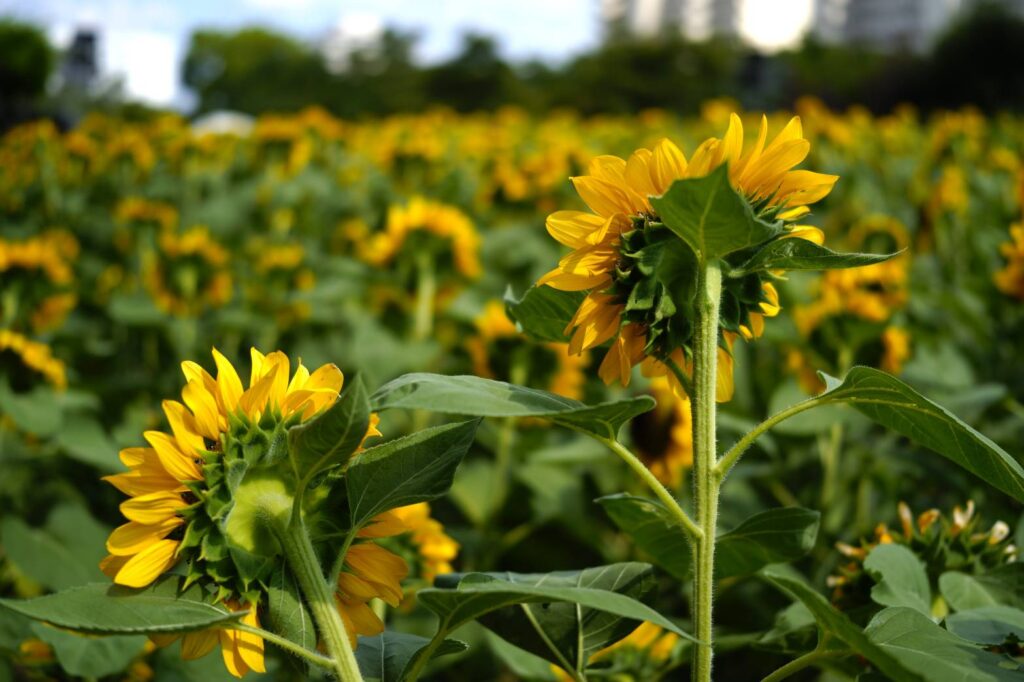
200	495
655	216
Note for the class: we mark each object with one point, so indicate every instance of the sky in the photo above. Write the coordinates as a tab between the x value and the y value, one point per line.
144	41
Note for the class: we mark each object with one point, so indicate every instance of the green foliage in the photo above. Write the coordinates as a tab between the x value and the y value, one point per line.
470	395
769	537
105	609
652	529
890	402
711	216
404	471
386	657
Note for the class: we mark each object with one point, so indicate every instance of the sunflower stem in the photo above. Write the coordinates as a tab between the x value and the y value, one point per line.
301	556
706	480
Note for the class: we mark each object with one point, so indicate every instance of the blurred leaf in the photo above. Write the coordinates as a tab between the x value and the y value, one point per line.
900	578
330	439
544	312
66	553
839	625
404	471
34	411
988	625
800	254
385	657
711	216
770	537
88	656
83	438
111	609
1001	585
601	606
470	395
652	529
892	403
935	654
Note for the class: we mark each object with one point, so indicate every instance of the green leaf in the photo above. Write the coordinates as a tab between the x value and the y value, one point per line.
653	531
988	625
1002	585
385	657
711	216
900	578
83	438
892	403
474	396
800	254
404	471
601	606
66	553
111	609
837	624
770	537
544	312
935	654
329	439
286	612
91	657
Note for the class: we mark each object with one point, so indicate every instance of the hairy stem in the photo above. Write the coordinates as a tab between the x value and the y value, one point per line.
301	556
705	474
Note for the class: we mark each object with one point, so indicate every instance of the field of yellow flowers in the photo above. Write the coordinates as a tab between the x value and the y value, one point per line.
409	245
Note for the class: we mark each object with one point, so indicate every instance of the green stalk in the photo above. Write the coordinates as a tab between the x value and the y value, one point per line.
298	550
706	480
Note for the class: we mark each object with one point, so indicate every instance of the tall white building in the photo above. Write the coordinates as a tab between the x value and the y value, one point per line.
695	19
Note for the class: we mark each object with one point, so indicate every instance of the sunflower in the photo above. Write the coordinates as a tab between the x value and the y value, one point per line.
663	437
177	488
435	547
1010	280
498	345
617	192
188	273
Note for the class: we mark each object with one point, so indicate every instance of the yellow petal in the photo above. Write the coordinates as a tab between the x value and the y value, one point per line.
147	565
179	465
153	508
228	382
133	537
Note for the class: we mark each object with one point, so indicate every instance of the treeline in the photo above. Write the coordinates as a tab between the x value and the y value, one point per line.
978	61
255	70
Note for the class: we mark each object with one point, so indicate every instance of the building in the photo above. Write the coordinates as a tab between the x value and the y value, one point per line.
892	25
694	19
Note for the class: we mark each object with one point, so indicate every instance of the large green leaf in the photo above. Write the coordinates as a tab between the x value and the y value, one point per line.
892	403
385	657
988	625
800	254
935	654
286	612
653	530
1002	585
711	216
404	471
900	578
600	606
91	657
469	395
332	437
65	553
544	312
102	608
836	624
769	537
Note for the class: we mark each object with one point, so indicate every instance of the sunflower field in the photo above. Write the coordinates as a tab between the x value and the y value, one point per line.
500	397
